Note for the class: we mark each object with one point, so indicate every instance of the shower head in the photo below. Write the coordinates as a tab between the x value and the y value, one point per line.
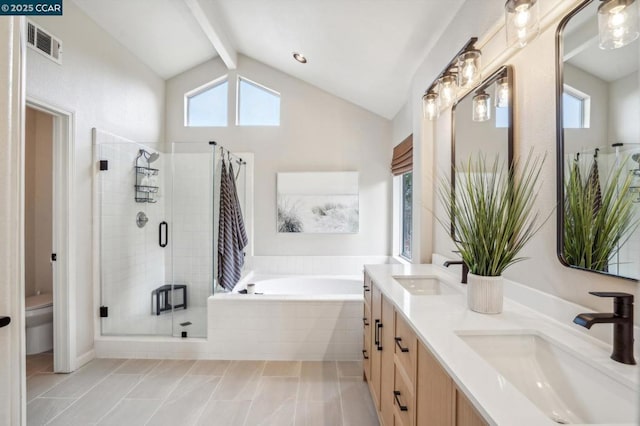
150	157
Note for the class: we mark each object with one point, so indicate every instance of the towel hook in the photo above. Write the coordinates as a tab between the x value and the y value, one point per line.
596	154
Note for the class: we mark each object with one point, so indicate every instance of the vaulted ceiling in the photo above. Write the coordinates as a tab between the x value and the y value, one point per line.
364	51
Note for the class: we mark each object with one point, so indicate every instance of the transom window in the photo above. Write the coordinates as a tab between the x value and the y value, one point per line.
207	106
257	105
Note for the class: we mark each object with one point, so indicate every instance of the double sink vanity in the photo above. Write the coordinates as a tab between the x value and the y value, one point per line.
429	360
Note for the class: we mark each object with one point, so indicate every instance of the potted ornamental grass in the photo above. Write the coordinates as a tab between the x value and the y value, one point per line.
493	211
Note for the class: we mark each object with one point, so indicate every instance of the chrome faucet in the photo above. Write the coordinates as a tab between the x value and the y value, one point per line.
622	320
465	268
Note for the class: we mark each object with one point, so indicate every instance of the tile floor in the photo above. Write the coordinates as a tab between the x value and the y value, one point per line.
180	392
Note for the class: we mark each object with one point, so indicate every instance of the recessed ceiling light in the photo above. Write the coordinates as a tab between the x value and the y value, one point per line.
299	57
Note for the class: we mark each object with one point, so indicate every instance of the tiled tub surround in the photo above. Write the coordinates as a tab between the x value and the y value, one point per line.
438	322
296	322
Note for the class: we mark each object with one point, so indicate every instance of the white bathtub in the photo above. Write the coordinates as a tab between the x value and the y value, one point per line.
311	286
296	318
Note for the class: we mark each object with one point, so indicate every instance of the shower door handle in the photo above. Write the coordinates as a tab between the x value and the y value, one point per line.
163	234
4	321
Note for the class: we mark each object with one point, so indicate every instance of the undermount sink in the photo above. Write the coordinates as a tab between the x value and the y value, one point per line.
424	286
566	388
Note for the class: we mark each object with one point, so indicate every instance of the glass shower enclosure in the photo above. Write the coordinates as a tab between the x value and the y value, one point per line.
157	236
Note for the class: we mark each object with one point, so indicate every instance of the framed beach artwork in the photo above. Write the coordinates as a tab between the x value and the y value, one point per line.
318	202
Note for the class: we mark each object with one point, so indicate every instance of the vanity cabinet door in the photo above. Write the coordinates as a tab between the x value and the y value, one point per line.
466	414
435	392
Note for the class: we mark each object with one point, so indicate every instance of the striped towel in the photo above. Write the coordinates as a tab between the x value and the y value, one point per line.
232	236
593	183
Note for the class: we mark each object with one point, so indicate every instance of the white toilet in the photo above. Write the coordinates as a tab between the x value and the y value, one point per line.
39	321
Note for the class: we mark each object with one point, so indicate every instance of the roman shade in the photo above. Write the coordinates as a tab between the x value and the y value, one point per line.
402	161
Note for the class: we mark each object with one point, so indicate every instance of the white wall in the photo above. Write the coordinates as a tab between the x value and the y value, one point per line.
624	109
534	68
106	87
318	132
38	202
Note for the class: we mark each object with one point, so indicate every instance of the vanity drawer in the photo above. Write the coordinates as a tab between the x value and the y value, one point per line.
403	400
366	289
366	350
405	348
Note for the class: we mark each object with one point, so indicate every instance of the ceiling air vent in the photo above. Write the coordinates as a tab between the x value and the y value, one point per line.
44	43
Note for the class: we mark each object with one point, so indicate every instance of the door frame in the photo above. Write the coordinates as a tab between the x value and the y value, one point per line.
12	337
64	283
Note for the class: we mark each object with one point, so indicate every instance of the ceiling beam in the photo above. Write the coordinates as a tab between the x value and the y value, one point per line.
208	17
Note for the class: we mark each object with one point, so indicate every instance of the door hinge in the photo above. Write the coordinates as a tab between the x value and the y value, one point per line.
104	311
54	257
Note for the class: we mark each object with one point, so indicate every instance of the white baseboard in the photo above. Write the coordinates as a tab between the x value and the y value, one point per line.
84	358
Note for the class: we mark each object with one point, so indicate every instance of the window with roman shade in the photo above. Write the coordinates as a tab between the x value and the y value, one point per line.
402	161
402	169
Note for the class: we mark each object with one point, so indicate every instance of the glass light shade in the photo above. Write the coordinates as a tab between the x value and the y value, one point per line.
469	68
431	105
481	107
447	90
617	23
522	21
502	93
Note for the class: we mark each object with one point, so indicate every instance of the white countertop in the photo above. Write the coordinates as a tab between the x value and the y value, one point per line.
436	319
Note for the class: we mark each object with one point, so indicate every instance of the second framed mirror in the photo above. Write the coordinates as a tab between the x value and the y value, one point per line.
482	123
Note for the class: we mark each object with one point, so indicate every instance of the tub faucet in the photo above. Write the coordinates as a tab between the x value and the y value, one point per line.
622	320
465	268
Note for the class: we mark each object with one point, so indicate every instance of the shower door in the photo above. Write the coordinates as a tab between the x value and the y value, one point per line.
131	207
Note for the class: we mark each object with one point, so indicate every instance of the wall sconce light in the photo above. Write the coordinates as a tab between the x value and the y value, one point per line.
481	106
522	21
443	91
447	89
617	23
469	68
502	92
431	105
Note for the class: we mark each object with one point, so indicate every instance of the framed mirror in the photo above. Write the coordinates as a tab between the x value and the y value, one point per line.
482	124
598	138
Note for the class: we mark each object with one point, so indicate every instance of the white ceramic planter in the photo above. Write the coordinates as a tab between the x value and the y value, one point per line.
485	294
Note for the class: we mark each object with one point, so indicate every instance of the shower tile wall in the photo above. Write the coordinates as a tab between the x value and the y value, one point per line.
132	263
